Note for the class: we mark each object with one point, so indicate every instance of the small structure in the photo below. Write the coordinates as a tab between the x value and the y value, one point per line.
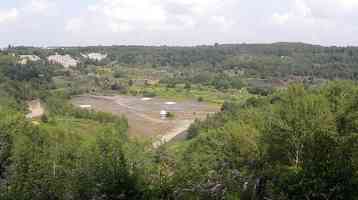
163	114
85	106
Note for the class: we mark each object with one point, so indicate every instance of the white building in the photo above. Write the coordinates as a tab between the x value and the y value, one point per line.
66	60
24	59
85	106
95	56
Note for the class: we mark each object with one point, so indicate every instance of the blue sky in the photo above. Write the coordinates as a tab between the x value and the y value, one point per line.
177	22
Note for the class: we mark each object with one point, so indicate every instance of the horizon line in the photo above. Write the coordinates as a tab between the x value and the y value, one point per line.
173	46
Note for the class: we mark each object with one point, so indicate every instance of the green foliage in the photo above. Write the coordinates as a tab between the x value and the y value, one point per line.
170	115
285	145
147	93
25	82
58	166
320	176
297	116
6	59
110	175
171	85
200	99
187	86
299	143
44	118
9	124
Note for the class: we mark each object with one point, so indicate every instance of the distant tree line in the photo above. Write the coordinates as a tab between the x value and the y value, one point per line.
259	60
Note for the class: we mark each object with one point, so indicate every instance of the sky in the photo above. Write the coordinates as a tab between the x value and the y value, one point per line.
177	22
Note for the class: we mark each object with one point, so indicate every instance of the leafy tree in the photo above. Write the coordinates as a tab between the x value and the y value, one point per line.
187	86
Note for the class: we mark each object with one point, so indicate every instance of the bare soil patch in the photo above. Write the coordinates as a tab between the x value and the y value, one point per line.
36	110
143	115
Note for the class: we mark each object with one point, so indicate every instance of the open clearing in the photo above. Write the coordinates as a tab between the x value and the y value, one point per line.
143	114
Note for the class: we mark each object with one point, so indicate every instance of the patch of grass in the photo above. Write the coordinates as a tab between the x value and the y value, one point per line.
207	94
83	129
61	82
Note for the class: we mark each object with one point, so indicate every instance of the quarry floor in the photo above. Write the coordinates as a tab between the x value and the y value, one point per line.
143	113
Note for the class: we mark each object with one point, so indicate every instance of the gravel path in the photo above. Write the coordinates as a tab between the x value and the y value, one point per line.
181	127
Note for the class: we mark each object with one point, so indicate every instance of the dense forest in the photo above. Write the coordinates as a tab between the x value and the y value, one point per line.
261	60
297	142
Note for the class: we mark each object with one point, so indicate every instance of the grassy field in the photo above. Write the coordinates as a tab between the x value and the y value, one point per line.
82	129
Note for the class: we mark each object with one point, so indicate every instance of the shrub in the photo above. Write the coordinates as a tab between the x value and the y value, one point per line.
200	99
170	115
187	86
44	118
149	93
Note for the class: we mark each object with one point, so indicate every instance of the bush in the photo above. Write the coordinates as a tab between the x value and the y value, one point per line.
133	92
120	88
194	129
44	118
187	86
171	85
149	93
260	91
170	115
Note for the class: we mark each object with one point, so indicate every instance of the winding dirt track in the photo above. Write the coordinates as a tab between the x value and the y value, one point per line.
180	128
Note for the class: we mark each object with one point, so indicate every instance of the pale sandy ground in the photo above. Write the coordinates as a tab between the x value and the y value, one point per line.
36	110
143	116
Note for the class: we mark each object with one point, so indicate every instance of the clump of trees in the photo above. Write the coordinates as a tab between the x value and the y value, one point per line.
294	144
219	81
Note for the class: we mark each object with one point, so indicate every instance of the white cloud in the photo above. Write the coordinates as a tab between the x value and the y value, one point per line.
158	15
280	19
120	27
74	25
180	21
8	15
301	8
350	3
222	23
299	11
39	5
319	13
123	15
28	10
330	8
200	7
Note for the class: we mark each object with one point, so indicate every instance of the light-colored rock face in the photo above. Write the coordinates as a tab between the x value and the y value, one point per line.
36	109
95	56
66	60
24	59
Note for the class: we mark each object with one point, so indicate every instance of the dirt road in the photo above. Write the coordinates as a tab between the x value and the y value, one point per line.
180	128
